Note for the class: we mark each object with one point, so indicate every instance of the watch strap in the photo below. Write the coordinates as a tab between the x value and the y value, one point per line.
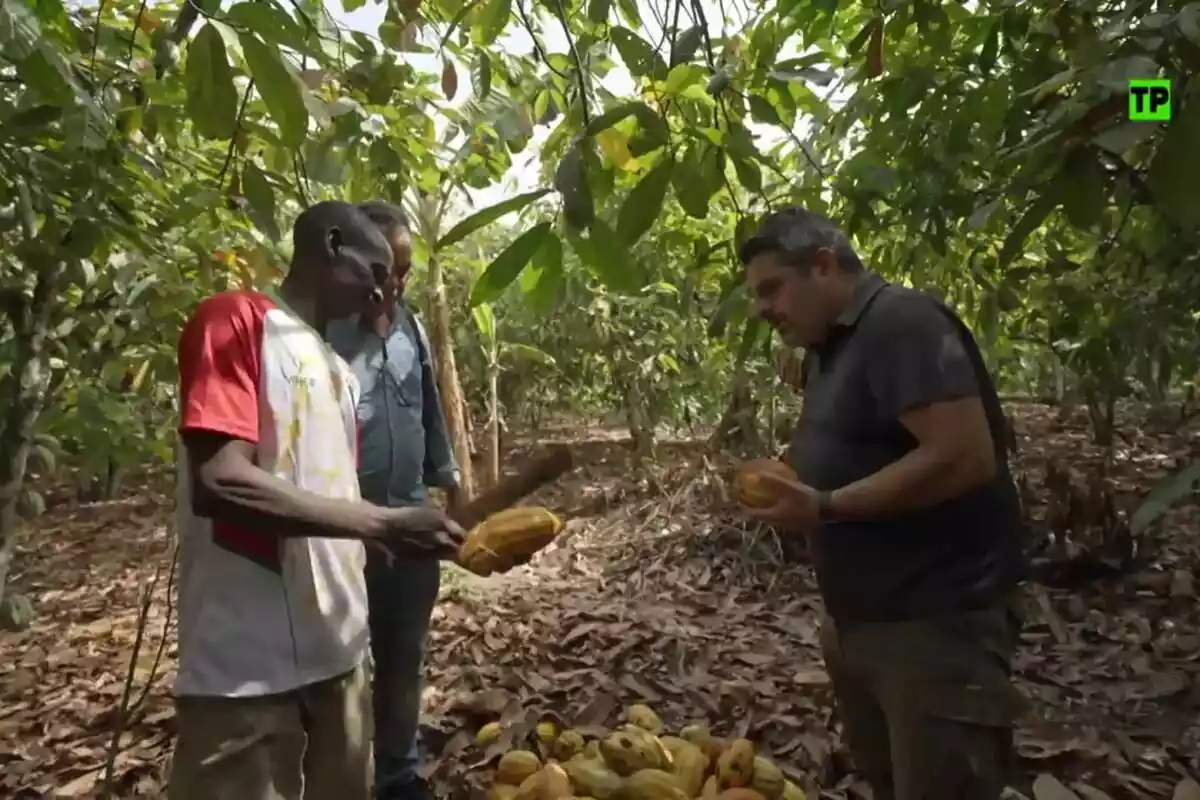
824	506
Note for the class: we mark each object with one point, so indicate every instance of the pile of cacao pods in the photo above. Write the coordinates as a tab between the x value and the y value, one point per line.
637	761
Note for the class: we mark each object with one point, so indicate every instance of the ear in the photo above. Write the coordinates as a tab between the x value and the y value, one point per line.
333	240
826	262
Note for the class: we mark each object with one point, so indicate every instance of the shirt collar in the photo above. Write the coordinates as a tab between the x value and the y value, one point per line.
865	289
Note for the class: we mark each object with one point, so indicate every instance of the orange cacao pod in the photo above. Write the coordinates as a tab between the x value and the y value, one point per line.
506	538
755	493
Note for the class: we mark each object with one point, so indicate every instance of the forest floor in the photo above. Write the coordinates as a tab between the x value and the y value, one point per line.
658	592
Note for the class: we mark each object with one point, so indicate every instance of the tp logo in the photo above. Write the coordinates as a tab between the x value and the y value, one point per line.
1150	100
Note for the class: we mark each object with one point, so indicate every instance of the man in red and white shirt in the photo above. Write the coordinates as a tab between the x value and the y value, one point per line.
272	701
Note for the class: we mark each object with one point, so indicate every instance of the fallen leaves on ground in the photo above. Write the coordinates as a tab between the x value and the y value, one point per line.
655	592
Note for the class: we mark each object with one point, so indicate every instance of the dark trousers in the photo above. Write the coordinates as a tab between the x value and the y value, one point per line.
927	706
401	598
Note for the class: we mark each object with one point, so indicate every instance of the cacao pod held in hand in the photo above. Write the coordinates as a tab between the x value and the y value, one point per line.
508	538
755	493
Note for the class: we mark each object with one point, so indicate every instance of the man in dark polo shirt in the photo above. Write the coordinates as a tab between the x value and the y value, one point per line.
905	491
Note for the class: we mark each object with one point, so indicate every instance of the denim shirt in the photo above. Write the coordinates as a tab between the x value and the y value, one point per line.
404	443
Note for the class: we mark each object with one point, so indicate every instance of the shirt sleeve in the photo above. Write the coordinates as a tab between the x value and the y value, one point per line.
220	356
917	359
440	468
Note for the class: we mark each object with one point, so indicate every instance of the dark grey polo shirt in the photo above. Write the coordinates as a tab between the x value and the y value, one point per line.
894	350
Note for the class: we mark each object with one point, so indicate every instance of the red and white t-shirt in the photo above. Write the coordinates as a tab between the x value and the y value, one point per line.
260	613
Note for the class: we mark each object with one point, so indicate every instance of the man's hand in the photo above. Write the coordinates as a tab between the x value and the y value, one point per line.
422	532
796	509
453	498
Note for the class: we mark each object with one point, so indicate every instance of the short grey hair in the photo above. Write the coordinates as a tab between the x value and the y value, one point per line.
794	235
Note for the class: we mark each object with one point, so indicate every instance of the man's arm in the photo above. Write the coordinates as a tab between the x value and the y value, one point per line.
922	376
228	486
441	470
219	365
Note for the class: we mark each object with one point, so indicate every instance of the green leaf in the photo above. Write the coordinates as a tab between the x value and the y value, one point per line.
610	118
261	198
991	48
485	321
528	353
571	180
508	265
598	10
1165	493
487	216
748	174
691	188
1175	171
608	259
352	5
1034	216
762	111
485	77
687	45
548	262
639	57
644	203
492	21
1081	189
731	301
212	101
279	87
323	163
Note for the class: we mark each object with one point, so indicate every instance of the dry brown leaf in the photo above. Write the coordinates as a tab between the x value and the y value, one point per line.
1186	789
1048	787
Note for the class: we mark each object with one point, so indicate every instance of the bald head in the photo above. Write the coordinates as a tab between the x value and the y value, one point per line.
340	255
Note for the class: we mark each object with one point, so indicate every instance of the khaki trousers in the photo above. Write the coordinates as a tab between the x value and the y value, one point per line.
313	743
927	707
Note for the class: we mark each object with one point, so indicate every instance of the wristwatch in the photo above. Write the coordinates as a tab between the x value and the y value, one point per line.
825	506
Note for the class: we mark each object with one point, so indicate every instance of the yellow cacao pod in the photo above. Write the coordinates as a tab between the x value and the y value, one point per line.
507	537
592	750
488	734
752	491
568	745
767	780
690	764
502	791
735	767
711	790
630	749
546	732
702	737
517	765
652	784
642	716
740	793
548	783
792	792
593	778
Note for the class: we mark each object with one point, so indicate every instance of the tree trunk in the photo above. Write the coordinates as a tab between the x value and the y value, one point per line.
447	376
493	462
641	429
738	429
24	393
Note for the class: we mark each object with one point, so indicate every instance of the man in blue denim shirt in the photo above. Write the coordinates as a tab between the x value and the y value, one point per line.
404	449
